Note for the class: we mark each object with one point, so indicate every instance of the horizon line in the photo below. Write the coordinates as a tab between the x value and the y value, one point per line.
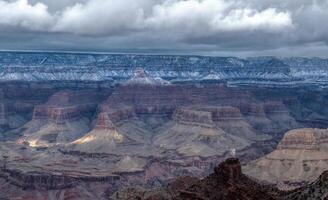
146	53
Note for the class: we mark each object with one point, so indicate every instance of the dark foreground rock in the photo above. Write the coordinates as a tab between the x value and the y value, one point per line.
226	183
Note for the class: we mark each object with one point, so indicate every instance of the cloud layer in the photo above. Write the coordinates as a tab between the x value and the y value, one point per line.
111	17
211	24
21	14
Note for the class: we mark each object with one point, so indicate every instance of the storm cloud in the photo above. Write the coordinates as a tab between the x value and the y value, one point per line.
229	26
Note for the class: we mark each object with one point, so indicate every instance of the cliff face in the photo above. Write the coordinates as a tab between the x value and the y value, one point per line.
300	157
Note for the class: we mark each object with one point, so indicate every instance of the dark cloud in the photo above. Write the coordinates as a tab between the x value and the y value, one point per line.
237	27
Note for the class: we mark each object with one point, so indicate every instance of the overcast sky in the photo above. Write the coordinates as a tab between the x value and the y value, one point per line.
211	27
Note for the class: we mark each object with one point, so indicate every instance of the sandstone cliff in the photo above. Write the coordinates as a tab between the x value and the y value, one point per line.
301	156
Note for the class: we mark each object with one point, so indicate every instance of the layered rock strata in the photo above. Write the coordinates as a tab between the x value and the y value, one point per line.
63	118
300	157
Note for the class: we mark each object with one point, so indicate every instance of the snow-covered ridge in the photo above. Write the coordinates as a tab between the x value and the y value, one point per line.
18	66
140	77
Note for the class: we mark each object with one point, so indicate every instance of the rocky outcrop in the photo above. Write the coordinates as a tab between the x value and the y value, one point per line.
230	171
300	157
226	183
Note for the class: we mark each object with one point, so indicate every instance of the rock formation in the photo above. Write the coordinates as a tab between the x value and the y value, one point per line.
63	118
226	183
300	157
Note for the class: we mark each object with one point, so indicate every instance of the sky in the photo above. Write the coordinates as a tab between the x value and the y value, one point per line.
206	27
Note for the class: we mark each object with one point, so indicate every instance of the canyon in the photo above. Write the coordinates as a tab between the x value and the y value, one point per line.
87	126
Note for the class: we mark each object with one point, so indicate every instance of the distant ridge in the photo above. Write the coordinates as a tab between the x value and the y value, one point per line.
82	66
